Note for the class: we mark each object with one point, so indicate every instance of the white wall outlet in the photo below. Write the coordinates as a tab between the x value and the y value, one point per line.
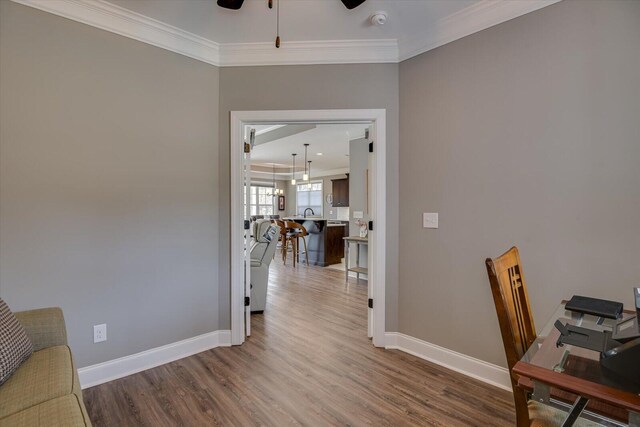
330	212
358	214
99	333
430	220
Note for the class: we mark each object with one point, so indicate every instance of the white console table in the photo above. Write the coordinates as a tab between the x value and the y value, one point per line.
357	240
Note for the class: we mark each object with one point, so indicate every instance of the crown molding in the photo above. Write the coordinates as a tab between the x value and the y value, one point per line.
107	16
310	52
118	20
124	22
477	17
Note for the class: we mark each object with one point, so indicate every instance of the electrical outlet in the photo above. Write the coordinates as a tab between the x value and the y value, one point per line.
358	214
99	333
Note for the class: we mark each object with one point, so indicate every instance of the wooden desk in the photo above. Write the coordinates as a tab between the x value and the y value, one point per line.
571	373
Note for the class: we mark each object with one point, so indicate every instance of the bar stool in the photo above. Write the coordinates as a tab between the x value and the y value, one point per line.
295	231
287	240
282	239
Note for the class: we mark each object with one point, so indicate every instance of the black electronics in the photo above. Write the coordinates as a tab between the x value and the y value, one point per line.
623	361
629	329
600	341
595	307
619	350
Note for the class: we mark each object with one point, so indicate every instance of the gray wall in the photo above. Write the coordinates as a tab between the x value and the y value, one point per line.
289	198
111	205
523	134
108	183
308	87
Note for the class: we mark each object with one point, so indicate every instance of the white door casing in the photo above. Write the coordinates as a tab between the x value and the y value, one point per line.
370	256
377	194
246	167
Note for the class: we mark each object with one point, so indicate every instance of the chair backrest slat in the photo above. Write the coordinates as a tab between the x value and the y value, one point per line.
509	289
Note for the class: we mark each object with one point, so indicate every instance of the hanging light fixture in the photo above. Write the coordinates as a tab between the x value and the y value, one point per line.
305	177
293	169
276	191
309	169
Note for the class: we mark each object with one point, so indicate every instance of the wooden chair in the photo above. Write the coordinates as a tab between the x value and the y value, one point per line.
510	296
511	299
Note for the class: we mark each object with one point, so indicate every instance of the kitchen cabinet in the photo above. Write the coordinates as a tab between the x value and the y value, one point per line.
340	189
324	242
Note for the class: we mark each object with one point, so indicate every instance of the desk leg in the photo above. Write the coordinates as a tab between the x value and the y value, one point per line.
634	419
358	262
541	392
575	412
346	261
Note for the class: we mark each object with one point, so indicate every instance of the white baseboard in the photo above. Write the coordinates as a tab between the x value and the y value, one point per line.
467	365
113	369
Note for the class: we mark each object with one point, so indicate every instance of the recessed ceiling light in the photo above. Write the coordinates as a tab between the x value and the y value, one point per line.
318	154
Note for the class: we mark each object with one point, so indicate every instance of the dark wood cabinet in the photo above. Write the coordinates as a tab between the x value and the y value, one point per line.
340	189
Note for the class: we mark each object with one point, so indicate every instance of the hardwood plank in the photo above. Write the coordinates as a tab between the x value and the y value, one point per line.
308	362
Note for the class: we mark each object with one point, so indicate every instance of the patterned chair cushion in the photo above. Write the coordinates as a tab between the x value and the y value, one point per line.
63	411
46	375
15	346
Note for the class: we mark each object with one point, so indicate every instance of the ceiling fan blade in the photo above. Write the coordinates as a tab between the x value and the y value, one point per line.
230	4
350	4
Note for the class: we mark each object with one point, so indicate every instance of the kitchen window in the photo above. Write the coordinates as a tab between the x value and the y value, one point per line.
309	195
261	200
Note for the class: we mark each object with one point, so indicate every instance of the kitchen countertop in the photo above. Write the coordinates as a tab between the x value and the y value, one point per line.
330	222
310	218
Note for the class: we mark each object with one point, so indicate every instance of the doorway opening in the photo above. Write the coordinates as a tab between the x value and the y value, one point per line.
296	193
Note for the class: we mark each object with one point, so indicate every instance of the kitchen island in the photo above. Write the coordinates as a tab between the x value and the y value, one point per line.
324	241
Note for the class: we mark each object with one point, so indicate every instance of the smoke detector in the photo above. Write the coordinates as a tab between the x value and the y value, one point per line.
378	18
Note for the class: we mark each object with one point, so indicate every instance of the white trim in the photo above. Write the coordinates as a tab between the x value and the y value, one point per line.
118	20
310	52
470	366
260	175
377	236
113	369
472	19
237	239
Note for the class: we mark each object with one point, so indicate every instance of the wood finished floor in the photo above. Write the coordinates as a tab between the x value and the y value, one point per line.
308	362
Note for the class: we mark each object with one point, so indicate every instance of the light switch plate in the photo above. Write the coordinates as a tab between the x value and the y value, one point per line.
430	220
358	214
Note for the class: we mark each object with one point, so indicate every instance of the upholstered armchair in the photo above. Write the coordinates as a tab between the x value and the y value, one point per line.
263	247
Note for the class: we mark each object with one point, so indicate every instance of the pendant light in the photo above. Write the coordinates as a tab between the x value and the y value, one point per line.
276	191
305	177
293	169
309	169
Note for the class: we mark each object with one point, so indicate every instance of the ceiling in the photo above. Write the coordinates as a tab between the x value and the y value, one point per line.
299	19
312	31
332	140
